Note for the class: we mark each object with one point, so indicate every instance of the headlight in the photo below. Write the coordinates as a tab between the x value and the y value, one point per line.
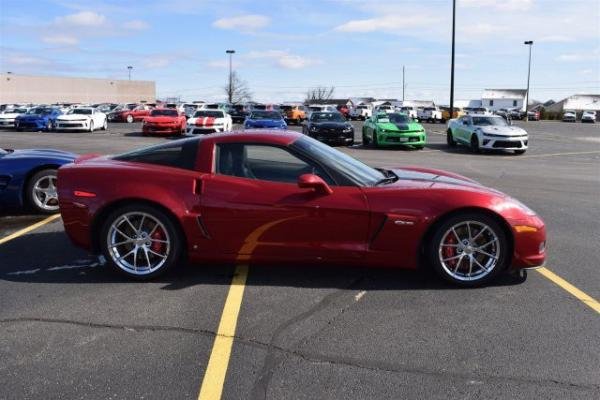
348	129
523	207
313	128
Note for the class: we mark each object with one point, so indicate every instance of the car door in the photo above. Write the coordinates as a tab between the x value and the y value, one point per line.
254	210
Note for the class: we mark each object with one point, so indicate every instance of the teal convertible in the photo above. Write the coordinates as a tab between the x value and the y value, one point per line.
393	129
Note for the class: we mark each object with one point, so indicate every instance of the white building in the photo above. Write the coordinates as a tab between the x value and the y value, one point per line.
577	102
467	103
495	99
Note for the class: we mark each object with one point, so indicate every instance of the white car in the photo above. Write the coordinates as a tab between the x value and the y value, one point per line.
385	108
411	111
587	116
361	111
81	119
486	132
209	121
7	118
430	114
569	116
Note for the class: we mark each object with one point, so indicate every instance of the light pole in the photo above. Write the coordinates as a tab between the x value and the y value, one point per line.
530	44
230	91
129	67
452	62
403	85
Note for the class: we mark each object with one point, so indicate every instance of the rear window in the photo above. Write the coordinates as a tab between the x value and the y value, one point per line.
164	112
178	154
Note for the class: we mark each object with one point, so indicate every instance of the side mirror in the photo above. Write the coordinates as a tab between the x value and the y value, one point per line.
311	181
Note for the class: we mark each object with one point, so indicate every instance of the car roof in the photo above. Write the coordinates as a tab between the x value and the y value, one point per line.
483	115
267	136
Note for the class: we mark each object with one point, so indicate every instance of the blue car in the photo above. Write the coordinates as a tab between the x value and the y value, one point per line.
37	119
259	119
28	179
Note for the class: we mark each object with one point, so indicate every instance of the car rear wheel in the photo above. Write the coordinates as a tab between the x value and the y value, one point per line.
141	241
375	140
40	192
450	139
105	125
92	126
474	144
469	249
129	119
519	152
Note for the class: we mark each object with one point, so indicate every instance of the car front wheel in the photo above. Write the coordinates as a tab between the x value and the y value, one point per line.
469	249
129	119
474	144
141	241
40	192
450	139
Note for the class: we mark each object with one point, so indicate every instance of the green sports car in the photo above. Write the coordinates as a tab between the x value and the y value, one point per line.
393	129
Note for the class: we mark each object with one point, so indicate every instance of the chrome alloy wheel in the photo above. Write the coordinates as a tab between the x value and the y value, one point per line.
45	195
138	243
469	250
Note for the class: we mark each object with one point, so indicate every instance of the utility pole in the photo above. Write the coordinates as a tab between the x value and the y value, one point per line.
129	67
452	62
403	85
530	44
230	91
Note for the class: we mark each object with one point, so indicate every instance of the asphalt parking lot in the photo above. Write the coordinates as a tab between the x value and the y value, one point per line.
69	328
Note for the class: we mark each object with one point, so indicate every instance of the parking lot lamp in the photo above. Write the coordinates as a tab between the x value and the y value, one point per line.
530	44
452	60
230	91
129	67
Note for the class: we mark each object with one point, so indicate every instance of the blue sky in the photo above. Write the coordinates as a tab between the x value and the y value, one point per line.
285	47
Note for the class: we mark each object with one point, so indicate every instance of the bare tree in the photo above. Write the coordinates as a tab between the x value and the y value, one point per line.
237	90
319	94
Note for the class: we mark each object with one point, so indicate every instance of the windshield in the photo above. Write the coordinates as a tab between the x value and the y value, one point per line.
489	121
166	113
84	111
15	111
406	108
330	116
362	107
397	118
3	152
209	113
358	172
286	108
265	115
40	111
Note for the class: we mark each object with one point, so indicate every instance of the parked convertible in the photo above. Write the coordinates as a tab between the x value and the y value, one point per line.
265	119
28	179
485	132
82	119
329	127
393	129
283	197
164	121
37	119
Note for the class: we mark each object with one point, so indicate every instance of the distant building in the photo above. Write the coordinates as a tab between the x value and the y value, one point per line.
495	99
467	103
577	102
58	89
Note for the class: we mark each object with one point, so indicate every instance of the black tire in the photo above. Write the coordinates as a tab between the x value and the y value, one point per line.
91	126
519	152
49	126
105	125
432	248
350	143
450	139
30	196
365	140
173	232
419	147
375	140
474	144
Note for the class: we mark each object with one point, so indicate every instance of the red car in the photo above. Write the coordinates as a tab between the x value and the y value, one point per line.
164	121
277	197
135	115
343	109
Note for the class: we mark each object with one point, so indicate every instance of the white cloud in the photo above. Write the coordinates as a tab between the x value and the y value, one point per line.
592	55
136	25
481	29
60	39
387	23
244	23
556	39
506	5
81	19
22	59
284	59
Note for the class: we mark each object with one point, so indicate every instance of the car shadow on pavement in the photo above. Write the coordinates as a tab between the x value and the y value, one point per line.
465	150
56	260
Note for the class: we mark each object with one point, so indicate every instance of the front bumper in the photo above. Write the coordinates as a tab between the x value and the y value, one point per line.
31	125
266	127
71	126
337	137
529	243
504	142
203	130
7	123
402	139
148	129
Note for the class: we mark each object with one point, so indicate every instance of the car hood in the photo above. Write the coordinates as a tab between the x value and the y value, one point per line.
330	125
205	121
32	116
409	126
71	117
160	120
504	130
40	153
9	115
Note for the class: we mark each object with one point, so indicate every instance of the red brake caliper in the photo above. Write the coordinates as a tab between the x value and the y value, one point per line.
158	247
450	251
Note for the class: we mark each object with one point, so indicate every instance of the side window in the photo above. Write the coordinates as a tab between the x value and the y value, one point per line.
491	102
263	162
514	103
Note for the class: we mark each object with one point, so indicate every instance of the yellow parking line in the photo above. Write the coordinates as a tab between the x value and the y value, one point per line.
578	294
29	228
561	154
214	377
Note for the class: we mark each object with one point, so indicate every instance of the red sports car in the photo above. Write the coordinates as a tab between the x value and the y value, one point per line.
164	121
284	197
135	115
